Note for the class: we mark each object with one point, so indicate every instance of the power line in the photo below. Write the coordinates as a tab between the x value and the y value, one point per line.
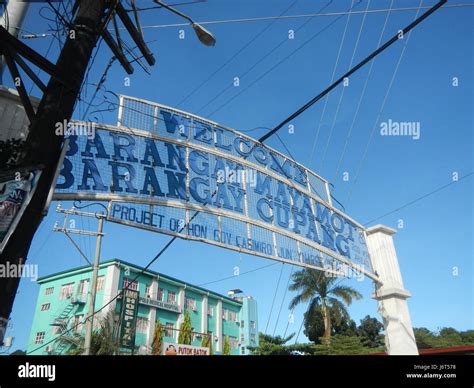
420	198
283	301
331	81
361	97
382	107
354	69
249	43
280	62
304	16
341	96
240	274
274	296
260	60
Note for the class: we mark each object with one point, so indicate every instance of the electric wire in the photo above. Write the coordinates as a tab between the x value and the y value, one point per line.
382	107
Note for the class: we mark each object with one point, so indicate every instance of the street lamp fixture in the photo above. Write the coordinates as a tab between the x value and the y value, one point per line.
203	34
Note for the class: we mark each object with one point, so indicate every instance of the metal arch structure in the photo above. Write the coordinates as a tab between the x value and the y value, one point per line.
156	165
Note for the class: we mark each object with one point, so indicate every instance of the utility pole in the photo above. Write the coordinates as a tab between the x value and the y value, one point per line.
43	147
95	268
13	16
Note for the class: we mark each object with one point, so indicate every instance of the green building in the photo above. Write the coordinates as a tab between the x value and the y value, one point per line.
63	302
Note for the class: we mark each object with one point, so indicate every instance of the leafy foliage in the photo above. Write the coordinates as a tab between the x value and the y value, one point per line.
226	347
447	337
369	331
207	343
103	340
186	330
157	339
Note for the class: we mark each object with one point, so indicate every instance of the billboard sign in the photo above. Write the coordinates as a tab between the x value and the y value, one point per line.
128	318
172	349
171	172
15	194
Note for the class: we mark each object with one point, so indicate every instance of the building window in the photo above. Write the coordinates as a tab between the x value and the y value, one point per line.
242	324
148	291
83	287
100	283
49	291
169	332
234	343
225	314
45	306
232	316
190	303
77	323
142	325
243	350
252	325
131	285
161	295
253	338
171	297
66	291
242	338
39	337
210	310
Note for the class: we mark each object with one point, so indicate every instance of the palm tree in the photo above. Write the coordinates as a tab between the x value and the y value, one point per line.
103	340
323	293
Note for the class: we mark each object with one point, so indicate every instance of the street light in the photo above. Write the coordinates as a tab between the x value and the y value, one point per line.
203	35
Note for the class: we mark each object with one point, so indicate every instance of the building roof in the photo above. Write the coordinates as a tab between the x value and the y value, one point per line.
44	279
469	349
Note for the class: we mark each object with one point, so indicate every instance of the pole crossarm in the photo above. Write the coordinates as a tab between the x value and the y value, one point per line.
9	43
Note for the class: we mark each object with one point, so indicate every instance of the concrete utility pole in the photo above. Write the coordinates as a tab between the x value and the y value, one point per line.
12	20
95	268
43	147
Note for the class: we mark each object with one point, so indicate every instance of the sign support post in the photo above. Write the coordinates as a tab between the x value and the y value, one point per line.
390	293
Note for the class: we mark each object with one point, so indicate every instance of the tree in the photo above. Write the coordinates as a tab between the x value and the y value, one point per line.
226	347
369	331
424	337
103	341
271	345
18	352
207	342
343	345
323	292
314	325
185	330
157	339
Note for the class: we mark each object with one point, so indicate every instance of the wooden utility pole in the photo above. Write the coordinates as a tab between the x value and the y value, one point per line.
43	146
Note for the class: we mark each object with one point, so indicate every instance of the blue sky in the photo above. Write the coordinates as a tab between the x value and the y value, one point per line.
438	230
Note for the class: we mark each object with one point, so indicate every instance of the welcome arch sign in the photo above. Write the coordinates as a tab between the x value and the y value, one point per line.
172	172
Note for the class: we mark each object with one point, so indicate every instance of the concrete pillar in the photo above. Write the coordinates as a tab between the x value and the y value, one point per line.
204	315
111	286
152	313
390	293
181	307
219	345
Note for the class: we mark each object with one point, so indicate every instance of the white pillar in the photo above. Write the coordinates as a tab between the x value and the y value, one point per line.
152	313
111	285
219	346
204	315
182	309
390	293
